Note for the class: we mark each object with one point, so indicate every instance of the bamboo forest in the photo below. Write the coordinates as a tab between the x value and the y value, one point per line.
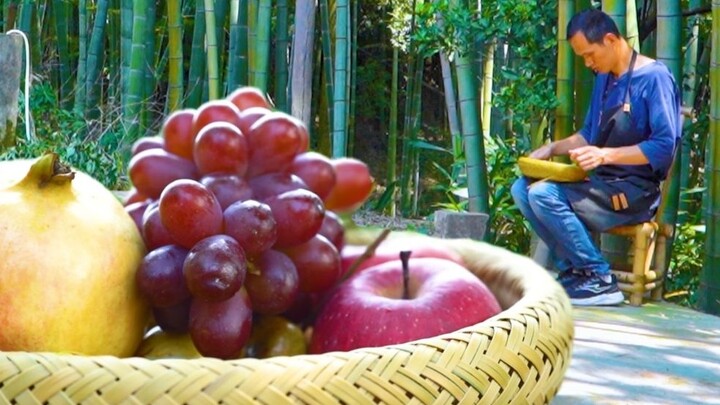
439	97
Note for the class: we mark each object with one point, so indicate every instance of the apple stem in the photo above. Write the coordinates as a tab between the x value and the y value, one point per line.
405	258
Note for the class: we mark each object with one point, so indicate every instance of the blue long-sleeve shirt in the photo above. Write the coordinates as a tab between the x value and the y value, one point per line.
655	112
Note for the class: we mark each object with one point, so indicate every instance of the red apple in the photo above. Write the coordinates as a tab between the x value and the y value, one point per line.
368	310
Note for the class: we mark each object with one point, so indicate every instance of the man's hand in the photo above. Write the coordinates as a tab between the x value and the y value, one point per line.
588	157
543	153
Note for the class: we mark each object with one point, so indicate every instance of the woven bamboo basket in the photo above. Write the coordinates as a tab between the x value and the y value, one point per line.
519	356
548	170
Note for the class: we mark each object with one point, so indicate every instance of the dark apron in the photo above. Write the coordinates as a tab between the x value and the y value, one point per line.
603	202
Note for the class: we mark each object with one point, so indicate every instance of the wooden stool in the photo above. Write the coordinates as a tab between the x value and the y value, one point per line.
644	271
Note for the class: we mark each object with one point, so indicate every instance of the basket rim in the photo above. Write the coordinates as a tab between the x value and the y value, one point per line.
542	301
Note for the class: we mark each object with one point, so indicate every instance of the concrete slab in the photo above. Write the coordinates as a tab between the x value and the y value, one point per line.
453	224
658	354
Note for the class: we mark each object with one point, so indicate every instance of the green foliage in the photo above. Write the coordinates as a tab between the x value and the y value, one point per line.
374	92
452	29
65	133
508	227
686	264
527	81
526	28
451	189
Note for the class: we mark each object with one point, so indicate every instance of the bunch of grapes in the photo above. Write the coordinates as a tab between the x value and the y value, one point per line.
235	212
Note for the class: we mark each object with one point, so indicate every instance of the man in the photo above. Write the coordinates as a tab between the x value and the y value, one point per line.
626	145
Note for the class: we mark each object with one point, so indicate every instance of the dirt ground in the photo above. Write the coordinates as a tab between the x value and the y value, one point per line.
374	219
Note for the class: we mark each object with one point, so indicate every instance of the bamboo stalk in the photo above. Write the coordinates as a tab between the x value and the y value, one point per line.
709	288
260	63
340	77
564	113
198	60
281	56
94	62
213	70
175	62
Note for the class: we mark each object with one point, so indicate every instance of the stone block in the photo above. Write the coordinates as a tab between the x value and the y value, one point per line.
455	225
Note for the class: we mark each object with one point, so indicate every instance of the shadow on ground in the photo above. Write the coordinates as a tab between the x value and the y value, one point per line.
659	353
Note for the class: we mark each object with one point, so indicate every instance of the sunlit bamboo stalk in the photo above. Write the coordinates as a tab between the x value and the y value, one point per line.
669	52
709	289
211	47
133	102
260	64
175	83
564	114
340	77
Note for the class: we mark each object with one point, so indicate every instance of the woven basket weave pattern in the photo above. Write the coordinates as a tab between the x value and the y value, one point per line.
519	356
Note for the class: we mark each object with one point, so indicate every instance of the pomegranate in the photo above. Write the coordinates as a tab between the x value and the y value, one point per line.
69	256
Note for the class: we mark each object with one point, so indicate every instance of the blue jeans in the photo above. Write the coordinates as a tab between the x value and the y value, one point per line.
547	208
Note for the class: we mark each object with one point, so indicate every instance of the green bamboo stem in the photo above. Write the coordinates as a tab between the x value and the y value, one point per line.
175	83
564	114
126	32
617	10
451	107
689	92
133	102
393	132
80	85
94	62
281	56
198	60
709	289
340	73
252	38
10	14
669	23
409	132
413	159
222	15
261	62
60	9
472	138
232	79
632	31
113	51
327	53
152	57
583	80
237	71
25	24
352	61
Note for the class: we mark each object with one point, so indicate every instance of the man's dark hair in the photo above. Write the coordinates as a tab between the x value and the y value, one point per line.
594	24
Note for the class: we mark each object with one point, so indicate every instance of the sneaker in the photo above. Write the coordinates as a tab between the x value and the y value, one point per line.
594	290
569	277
